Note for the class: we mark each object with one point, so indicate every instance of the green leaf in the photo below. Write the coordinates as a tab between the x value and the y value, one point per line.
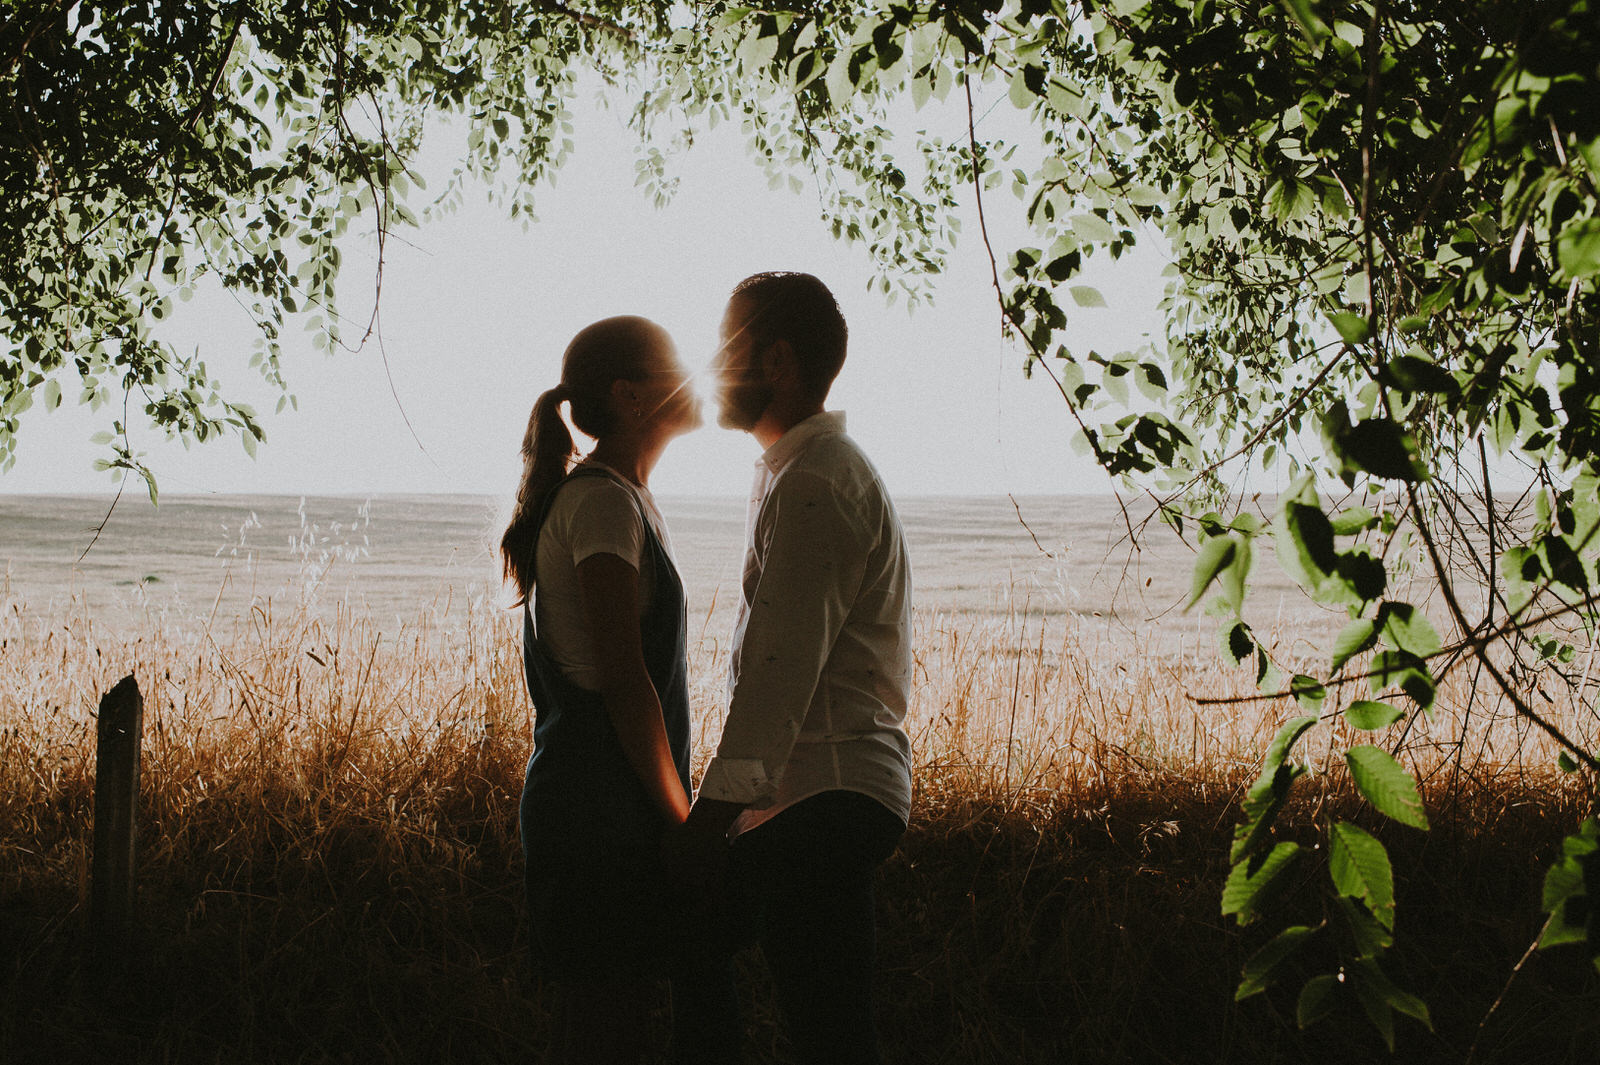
1405	628
1353	328
1386	785
1271	788
1308	692
1353	520
1376	1007
1565	878
1405	670
1243	522
838	82
1261	971
1368	715
1092	229
1354	638
1282	743
1019	93
1360	575
1367	934
1215	555
1288	199
1381	447
1578	248
1087	296
757	50
1152	381
1562	563
1237	643
1370	980
1412	373
1269	678
1359	867
1567	897
1252	884
1237	574
1317	999
1590	150
1305	16
1305	545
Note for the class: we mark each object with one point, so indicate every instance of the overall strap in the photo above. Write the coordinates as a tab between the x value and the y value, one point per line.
576	473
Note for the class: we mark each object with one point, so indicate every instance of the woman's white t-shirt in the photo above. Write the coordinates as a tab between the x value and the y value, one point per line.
590	516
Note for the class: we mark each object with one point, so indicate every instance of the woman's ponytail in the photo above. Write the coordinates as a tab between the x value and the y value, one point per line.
547	452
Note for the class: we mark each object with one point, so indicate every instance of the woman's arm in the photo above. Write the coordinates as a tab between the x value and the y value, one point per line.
610	591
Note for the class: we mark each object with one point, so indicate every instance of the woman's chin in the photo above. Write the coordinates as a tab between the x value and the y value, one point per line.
686	426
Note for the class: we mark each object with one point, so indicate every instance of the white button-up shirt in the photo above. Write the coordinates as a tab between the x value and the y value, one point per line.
821	663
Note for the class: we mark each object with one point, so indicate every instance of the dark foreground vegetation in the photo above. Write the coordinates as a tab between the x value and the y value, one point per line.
1015	928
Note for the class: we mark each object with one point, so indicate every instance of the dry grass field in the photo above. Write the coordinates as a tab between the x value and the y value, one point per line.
329	865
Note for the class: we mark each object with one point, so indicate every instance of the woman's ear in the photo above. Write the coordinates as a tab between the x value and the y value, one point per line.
625	398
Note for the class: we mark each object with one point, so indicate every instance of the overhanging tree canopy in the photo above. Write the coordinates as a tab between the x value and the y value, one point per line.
1382	216
150	145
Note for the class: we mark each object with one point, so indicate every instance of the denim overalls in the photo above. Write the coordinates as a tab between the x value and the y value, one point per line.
590	833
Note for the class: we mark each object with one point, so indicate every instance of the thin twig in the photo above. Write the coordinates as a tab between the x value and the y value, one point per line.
1024	523
1472	1051
1101	458
1448	589
1478	641
98	529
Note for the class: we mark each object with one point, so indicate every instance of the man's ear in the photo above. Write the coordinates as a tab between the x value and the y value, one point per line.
778	362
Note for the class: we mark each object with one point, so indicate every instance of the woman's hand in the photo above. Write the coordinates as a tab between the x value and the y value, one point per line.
695	853
695	858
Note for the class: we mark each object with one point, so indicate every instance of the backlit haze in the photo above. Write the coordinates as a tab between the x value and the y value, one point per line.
475	312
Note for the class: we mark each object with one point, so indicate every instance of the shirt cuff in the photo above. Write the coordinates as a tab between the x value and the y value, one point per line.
737	780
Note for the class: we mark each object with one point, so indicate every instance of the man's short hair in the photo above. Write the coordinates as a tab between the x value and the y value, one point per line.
798	308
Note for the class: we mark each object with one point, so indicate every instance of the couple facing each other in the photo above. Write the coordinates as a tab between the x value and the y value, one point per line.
810	787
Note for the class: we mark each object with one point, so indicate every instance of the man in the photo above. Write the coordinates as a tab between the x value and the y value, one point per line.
812	777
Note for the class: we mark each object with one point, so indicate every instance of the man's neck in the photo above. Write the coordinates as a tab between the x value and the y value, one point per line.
779	419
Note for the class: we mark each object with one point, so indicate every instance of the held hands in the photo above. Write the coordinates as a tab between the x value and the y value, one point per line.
694	854
695	858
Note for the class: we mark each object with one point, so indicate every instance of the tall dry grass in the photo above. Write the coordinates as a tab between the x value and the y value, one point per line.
330	861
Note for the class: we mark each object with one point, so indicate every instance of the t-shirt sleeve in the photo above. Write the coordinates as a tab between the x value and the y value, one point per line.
600	517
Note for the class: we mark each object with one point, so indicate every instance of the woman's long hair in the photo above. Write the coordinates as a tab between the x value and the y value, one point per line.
610	350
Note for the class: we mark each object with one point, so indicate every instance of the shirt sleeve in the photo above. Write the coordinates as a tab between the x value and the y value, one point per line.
808	557
602	518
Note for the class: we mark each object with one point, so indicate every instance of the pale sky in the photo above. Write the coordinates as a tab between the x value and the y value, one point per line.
476	312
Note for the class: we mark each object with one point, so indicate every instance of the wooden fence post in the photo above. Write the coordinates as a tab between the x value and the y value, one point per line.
116	804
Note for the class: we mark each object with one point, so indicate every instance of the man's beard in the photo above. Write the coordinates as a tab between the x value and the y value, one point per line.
742	405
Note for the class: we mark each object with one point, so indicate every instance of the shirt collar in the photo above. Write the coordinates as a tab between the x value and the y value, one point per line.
792	442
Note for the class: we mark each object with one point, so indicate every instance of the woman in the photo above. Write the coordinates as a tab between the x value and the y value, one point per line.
604	654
